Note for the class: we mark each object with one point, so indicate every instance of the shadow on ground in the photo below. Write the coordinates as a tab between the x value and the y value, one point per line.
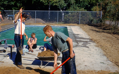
38	70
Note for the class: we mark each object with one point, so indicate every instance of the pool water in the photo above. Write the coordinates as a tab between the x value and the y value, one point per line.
38	30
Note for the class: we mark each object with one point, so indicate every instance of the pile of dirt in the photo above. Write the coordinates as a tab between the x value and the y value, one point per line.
46	53
33	20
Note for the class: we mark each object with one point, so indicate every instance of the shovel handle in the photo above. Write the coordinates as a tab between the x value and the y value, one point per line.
21	26
60	65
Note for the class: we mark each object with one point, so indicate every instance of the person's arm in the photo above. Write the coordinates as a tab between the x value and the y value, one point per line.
1	17
28	40
34	41
26	36
55	58
16	18
69	40
45	38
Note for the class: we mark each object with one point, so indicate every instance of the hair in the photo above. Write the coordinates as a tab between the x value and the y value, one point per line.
24	15
47	27
33	34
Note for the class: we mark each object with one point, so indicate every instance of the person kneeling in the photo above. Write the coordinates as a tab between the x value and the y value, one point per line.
46	45
32	42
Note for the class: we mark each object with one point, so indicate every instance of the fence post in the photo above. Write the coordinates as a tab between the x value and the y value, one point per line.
57	16
79	17
101	14
35	16
13	14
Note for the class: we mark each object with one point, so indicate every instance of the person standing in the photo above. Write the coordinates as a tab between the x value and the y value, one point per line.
65	45
17	22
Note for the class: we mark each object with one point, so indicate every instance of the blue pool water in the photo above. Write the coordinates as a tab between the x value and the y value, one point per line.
38	30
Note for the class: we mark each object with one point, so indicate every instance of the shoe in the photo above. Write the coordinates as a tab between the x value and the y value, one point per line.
16	64
20	66
32	50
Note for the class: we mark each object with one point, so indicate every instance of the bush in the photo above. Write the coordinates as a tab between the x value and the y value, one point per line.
75	17
72	17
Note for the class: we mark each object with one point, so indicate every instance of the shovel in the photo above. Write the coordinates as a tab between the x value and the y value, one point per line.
20	47
60	65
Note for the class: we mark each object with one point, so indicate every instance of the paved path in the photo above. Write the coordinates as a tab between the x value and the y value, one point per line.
88	56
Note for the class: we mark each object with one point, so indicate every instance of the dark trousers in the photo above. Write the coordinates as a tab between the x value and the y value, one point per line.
34	46
47	46
69	67
17	43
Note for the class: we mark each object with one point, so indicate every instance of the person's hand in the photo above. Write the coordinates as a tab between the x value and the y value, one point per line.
55	65
44	49
13	46
26	37
72	55
20	11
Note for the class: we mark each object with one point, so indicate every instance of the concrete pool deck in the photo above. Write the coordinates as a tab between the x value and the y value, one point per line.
88	56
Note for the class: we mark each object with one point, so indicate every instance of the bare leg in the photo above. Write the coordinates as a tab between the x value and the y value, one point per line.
30	46
44	49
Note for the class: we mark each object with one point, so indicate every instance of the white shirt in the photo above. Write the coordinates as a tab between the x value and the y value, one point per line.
49	39
18	27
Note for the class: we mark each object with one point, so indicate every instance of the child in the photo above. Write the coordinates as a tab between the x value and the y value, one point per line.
32	42
46	45
17	22
64	44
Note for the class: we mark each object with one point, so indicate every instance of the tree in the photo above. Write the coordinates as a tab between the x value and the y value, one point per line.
87	4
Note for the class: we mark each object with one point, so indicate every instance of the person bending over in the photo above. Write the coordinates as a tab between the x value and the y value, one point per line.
65	45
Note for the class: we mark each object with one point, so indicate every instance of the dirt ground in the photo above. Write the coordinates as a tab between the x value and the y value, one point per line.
28	70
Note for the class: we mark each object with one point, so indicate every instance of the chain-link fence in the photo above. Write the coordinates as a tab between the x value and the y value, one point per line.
75	17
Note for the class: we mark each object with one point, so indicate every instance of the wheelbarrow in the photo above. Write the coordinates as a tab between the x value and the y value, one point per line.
48	59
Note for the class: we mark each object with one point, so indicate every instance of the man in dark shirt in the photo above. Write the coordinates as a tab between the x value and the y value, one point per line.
64	44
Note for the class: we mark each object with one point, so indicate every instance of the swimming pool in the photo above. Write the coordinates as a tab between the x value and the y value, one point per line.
38	30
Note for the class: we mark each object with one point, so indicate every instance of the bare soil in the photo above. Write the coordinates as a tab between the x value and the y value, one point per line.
46	53
28	70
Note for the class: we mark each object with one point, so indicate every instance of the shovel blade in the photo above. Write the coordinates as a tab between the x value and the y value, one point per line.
20	50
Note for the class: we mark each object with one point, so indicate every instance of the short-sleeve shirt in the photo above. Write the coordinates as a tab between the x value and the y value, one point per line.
49	39
59	41
18	27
